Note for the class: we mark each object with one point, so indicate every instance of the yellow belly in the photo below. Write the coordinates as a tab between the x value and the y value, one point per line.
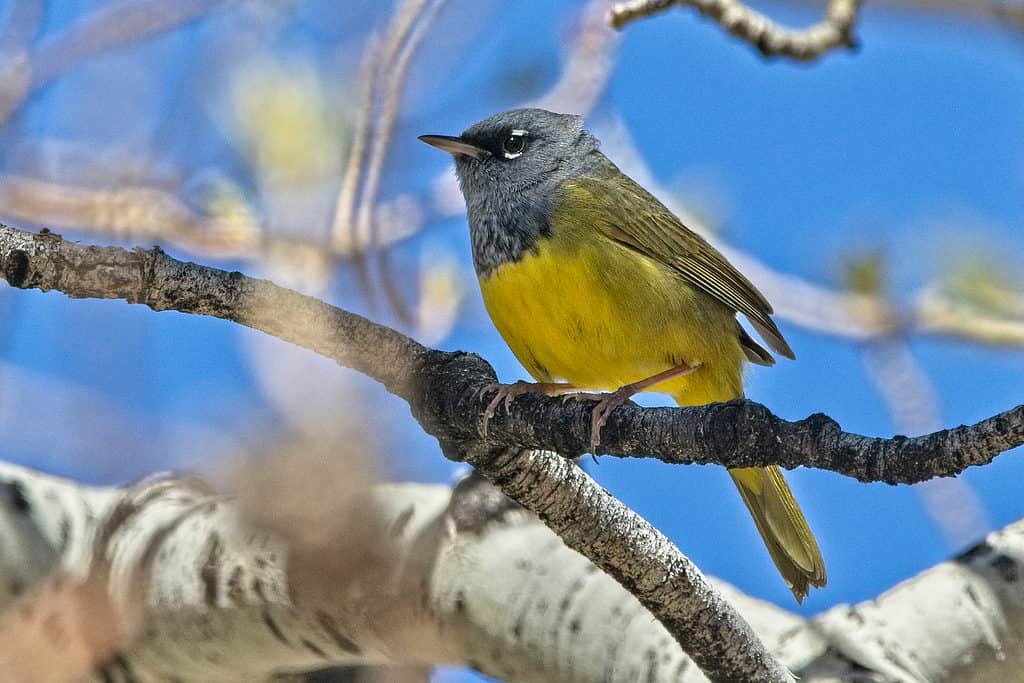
601	316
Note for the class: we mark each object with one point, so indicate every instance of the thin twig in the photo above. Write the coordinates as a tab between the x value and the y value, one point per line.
342	230
398	71
771	39
344	235
382	74
407	30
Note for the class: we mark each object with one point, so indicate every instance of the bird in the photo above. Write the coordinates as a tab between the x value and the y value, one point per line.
596	286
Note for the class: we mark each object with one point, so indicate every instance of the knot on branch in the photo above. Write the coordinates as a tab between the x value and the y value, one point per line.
446	399
742	428
16	268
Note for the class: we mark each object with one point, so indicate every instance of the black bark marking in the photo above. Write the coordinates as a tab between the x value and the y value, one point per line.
16	269
257	588
976	551
651	655
972	595
156	541
344	643
65	533
273	627
476	502
128	507
125	667
402	521
1007	568
314	649
19	501
209	573
684	664
567	601
236	594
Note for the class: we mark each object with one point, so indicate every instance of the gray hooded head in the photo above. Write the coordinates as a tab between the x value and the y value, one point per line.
510	168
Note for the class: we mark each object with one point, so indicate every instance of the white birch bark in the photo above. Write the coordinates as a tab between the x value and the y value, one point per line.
165	581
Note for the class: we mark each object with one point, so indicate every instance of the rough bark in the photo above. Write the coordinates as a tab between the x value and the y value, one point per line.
191	588
446	391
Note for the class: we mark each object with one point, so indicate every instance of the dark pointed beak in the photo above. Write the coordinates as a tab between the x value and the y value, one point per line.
454	146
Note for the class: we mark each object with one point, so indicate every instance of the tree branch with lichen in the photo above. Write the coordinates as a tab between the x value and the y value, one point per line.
445	392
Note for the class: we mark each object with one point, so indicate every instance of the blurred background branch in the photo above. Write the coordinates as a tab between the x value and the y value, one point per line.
28	68
770	39
228	225
170	558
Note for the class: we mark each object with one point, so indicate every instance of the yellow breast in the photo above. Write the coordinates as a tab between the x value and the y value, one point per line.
586	310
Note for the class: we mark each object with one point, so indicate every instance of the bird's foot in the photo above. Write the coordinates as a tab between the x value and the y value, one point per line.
607	403
506	393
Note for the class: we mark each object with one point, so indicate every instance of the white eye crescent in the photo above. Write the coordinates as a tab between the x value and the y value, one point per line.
514	144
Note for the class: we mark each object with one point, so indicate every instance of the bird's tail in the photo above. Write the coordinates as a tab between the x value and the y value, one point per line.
766	493
782	526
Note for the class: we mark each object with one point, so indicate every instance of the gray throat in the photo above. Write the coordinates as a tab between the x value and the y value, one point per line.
505	227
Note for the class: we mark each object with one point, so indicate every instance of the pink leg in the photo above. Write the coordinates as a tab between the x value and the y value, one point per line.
508	393
609	402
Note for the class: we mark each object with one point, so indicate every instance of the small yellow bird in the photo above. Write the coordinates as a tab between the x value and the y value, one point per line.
595	285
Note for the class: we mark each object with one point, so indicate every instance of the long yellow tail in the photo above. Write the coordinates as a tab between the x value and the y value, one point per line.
782	526
766	493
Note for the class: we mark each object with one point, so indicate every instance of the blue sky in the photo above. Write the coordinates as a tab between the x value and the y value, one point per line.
914	144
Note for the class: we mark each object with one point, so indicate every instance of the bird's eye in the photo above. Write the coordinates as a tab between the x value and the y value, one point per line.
514	145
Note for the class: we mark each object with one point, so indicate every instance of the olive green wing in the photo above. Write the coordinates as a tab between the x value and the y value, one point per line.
655	232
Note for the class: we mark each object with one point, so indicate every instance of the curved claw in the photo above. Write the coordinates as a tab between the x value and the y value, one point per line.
508	393
609	402
603	410
505	392
501	392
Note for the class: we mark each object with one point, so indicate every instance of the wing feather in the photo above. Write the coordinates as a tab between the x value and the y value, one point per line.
656	233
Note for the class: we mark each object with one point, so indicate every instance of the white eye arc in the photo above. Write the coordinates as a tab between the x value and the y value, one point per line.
514	144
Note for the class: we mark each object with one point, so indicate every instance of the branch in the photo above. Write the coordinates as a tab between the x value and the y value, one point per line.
446	390
190	560
499	592
110	27
446	394
146	212
636	554
771	39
